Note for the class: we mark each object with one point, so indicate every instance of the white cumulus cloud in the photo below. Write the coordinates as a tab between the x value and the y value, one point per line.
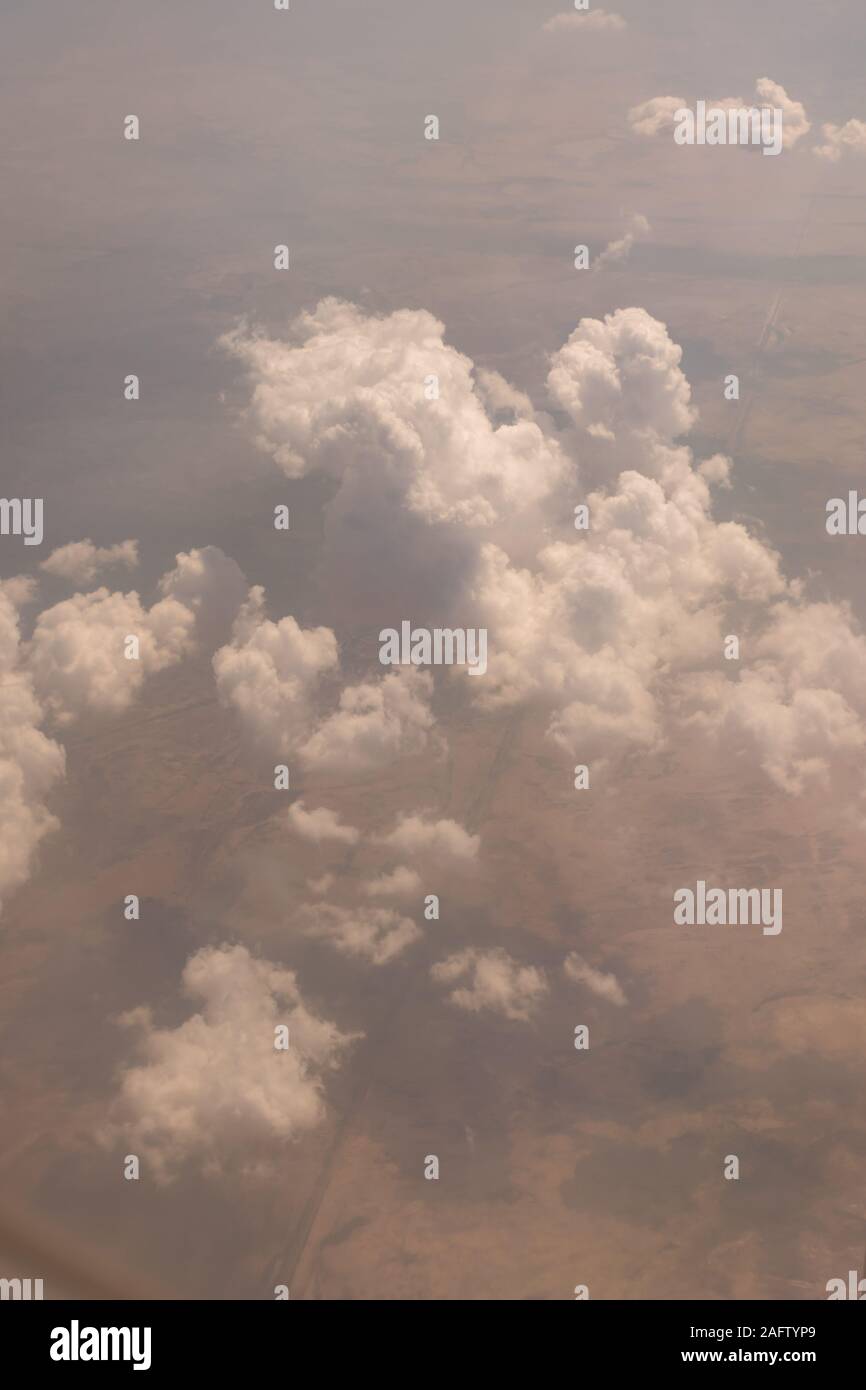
214	1090
422	837
30	762
81	561
494	981
841	138
377	934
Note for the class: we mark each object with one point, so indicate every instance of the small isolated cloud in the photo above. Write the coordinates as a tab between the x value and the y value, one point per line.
377	934
215	1089
841	138
618	250
587	21
415	836
494	981
604	985
81	561
402	882
321	826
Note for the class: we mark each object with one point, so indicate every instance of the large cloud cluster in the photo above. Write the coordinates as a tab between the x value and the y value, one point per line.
387	399
595	629
421	456
616	631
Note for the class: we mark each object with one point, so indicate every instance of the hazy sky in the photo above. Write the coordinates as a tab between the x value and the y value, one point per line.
414	1036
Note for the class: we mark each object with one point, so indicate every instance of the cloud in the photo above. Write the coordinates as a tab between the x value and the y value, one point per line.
270	673
75	662
850	136
799	704
375	723
585	20
500	396
795	123
495	982
614	635
321	826
76	654
596	626
617	251
395	416
377	934
604	985
215	1089
658	115
82	561
347	393
30	763
401	882
417	837
621	376
212	586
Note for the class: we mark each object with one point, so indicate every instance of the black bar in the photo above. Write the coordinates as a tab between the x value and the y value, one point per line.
246	1337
